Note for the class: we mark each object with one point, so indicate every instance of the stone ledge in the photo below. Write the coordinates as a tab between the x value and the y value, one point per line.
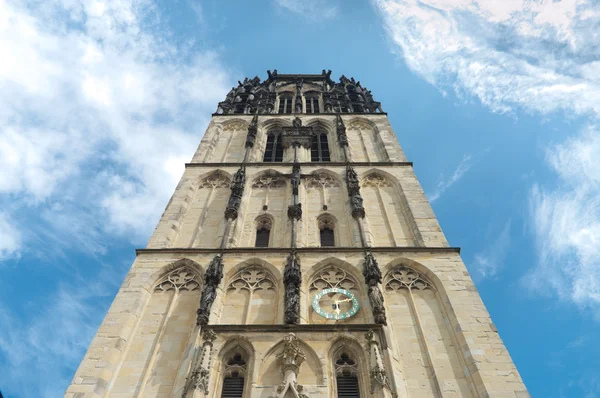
273	164
301	250
302	328
300	113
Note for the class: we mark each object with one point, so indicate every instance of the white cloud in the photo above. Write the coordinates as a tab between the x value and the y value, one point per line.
95	99
566	222
490	261
316	10
538	55
464	166
10	238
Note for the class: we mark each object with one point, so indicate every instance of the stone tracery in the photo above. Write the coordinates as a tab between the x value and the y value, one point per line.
333	277
252	278
403	277
179	279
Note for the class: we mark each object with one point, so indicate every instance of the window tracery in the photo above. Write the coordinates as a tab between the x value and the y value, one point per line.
406	278
333	277
376	180
216	180
252	278
178	280
268	181
322	180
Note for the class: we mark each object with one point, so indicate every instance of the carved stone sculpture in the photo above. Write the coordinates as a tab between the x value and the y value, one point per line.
352	181
252	130
371	269
291	358
372	275
295	211
237	190
199	377
341	131
295	180
357	206
376	300
292	278
212	279
377	372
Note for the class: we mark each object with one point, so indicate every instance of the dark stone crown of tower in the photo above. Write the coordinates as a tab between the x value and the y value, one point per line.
255	96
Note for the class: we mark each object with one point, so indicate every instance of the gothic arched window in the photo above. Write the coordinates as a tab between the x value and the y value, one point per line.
274	148
285	103
263	231
234	374
319	151
346	376
250	297
312	104
326	231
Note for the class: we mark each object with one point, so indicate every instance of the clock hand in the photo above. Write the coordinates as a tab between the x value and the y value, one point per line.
345	301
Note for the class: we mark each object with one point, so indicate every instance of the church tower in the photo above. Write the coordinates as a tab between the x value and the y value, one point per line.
298	257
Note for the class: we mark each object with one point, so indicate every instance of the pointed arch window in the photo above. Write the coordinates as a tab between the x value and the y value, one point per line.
326	230
234	376
319	151
285	103
346	376
263	232
274	148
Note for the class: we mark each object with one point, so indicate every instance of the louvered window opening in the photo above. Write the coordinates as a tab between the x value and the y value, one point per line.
319	151
274	149
312	105
285	104
262	238
347	387
327	238
233	387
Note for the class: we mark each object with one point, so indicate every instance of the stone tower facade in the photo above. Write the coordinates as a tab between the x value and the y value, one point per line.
298	257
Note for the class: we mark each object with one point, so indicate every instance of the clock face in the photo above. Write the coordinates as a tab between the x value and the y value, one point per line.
335	303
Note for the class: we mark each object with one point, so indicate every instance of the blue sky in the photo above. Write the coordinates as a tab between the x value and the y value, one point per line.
496	103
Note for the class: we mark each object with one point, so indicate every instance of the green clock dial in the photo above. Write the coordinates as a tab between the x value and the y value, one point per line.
335	303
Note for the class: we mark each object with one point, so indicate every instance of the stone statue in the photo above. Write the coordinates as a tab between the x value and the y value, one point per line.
292	278
295	180
371	269
297	122
376	299
295	211
212	278
206	300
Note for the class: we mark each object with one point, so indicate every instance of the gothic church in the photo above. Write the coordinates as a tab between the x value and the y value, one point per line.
298	257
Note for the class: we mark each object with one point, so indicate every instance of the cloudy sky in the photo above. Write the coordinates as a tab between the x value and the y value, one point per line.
497	103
